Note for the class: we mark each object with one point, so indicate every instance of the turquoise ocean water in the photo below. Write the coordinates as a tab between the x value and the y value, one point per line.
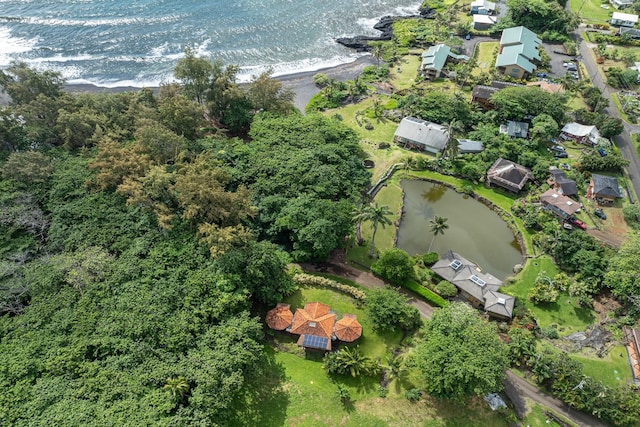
138	42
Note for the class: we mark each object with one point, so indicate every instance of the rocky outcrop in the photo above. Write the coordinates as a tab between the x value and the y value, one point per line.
385	26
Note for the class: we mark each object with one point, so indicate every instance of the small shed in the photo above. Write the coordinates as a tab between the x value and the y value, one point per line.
483	22
482	7
467	146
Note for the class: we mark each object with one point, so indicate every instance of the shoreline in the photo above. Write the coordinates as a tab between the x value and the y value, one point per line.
300	82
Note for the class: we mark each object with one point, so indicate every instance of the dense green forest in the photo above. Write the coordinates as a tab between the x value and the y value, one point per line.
141	232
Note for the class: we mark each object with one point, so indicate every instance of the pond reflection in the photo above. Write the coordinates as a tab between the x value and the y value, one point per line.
475	231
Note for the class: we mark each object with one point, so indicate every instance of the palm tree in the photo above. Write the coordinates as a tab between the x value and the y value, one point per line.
453	146
438	225
177	387
359	215
377	215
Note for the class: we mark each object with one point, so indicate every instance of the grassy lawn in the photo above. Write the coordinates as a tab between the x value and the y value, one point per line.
391	196
537	418
408	66
296	391
613	369
566	313
485	56
591	12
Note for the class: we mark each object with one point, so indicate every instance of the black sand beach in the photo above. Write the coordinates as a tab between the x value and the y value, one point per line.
301	83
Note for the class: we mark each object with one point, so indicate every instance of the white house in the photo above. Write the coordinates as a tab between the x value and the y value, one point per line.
583	134
624	19
482	7
621	4
483	22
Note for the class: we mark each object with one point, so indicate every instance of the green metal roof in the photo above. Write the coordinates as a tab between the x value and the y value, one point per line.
519	47
435	57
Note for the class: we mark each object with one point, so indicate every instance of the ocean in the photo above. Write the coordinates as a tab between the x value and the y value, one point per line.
138	42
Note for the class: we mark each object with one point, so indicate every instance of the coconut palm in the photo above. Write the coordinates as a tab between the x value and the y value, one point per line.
359	215
376	215
438	225
453	146
177	387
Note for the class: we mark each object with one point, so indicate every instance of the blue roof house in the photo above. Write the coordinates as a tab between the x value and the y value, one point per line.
518	51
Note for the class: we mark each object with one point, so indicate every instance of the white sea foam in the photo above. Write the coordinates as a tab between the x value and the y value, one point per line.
11	46
98	22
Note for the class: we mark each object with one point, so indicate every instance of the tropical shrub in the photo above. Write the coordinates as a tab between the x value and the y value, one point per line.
311	280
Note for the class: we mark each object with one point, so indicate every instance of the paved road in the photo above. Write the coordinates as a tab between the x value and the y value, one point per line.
623	141
517	388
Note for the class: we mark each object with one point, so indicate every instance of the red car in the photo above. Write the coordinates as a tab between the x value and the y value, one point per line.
577	223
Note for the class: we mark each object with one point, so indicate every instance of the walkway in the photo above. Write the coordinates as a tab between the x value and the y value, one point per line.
518	389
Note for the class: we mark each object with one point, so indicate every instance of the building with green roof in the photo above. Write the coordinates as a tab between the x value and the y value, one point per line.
518	51
434	59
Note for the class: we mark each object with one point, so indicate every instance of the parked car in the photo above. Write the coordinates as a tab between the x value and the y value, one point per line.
567	226
560	155
565	166
543	75
571	66
602	151
576	222
558	148
600	213
467	37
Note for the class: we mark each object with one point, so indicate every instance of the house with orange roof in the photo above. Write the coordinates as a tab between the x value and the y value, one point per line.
315	323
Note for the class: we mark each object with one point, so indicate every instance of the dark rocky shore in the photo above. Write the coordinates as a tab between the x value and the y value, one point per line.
385	26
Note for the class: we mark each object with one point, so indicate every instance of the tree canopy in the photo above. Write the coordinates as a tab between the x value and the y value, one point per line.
461	355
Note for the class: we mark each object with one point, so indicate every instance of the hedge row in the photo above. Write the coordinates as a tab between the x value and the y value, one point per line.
431	297
311	280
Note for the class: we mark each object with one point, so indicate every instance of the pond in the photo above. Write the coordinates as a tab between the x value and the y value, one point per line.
475	231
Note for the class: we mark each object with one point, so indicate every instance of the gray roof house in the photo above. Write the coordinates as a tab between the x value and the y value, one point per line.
434	59
515	129
561	183
518	50
603	189
509	175
422	135
477	287
466	146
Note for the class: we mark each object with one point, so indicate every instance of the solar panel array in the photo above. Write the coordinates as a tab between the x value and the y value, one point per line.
478	281
315	341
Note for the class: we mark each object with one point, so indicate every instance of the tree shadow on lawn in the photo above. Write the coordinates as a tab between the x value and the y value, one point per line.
265	401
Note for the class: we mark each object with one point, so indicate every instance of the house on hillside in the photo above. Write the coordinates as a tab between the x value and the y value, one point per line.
468	146
559	182
435	58
518	52
421	135
477	287
561	206
582	134
483	22
633	33
508	175
603	189
621	4
545	86
482	7
515	129
315	323
481	94
624	19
